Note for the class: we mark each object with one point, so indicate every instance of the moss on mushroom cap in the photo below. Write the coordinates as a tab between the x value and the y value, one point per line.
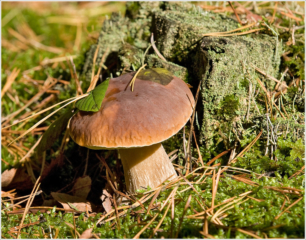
150	114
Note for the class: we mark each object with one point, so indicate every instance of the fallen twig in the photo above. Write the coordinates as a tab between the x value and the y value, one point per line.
28	205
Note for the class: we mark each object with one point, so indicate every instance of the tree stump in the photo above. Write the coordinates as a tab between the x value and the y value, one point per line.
224	65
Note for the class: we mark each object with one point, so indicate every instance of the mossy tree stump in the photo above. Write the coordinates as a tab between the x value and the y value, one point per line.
223	65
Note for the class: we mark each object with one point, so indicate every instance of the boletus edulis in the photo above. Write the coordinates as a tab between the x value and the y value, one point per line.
136	122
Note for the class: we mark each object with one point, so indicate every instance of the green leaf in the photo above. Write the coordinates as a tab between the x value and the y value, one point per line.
55	130
93	102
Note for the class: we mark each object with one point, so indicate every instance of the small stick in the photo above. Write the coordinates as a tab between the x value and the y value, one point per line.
237	16
145	53
233	34
272	130
293	38
283	205
279	110
142	230
248	233
107	167
235	30
292	16
278	85
10	79
44	102
170	195
42	207
96	77
274	12
266	104
226	207
215	188
30	200
282	106
156	50
134	78
264	89
291	205
268	138
116	210
74	227
199	153
266	75
22	201
298	172
191	124
205	226
190	185
244	150
161	221
31	150
93	67
122	194
11	196
217	157
55	60
152	201
29	168
79	89
207	235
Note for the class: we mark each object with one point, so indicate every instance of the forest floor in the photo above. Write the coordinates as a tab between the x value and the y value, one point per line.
58	193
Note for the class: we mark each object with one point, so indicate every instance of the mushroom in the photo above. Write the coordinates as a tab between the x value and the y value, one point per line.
136	122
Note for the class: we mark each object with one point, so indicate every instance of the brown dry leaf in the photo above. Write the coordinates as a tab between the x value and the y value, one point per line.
86	234
72	202
82	187
16	178
106	201
7	177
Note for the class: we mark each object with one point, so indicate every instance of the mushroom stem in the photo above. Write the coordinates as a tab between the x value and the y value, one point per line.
146	166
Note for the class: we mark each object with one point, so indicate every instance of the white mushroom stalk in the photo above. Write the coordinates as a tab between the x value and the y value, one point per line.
146	167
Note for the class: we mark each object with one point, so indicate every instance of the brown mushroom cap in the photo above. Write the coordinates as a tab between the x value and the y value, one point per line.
149	114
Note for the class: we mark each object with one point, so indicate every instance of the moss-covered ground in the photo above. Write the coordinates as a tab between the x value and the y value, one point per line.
259	193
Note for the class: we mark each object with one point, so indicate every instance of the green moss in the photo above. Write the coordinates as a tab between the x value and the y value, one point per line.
229	106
